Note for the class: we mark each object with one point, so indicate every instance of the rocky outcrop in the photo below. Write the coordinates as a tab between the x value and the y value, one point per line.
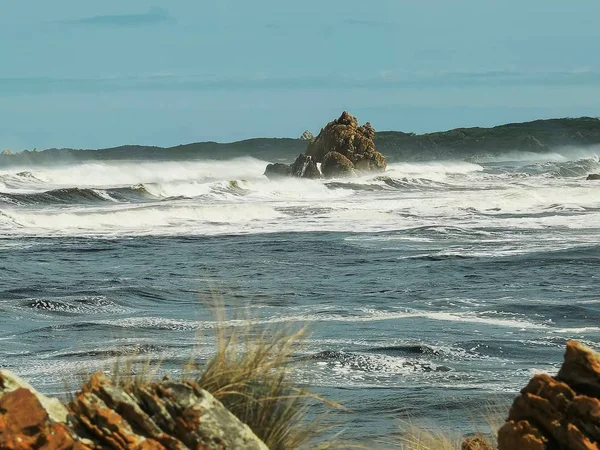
305	167
336	165
30	420
476	443
307	136
558	413
593	176
347	138
342	148
278	170
155	416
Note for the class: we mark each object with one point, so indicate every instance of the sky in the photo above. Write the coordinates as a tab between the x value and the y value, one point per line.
100	74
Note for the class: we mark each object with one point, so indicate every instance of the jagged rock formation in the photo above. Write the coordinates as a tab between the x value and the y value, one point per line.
307	136
278	170
354	142
156	416
336	165
305	167
341	148
558	413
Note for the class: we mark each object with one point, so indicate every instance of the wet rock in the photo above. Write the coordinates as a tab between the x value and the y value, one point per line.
305	167
278	170
561	412
336	165
593	176
307	136
347	138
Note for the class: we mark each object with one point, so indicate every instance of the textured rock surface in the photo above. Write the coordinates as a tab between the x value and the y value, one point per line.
336	165
558	413
593	176
307	136
278	170
476	443
356	143
162	415
10	382
30	420
305	167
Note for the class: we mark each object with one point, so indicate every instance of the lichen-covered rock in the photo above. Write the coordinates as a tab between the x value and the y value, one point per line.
30	420
10	382
278	170
476	443
155	416
305	167
346	137
336	165
159	415
561	412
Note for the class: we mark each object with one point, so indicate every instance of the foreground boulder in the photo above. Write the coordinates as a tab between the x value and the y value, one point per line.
278	170
155	416
305	167
558	413
593	176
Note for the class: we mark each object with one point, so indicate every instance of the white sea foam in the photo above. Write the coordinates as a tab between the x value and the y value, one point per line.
235	197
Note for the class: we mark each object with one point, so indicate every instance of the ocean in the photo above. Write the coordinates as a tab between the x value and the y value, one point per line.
431	291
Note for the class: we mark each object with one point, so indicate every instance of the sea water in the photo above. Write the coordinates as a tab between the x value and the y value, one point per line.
430	291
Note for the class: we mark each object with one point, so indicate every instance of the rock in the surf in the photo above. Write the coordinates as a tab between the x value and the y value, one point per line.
347	138
336	165
307	136
278	170
561	412
305	166
593	176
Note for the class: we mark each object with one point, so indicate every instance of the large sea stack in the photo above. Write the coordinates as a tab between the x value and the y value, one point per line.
343	148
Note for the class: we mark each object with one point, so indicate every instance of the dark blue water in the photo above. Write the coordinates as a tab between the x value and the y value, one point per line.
428	299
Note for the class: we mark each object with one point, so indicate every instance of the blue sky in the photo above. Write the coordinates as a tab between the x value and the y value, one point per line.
96	74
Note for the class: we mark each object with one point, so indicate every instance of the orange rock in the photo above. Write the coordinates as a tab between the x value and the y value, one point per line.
476	443
581	369
561	413
22	421
520	435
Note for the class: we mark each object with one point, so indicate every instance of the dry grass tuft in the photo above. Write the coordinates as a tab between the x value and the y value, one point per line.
419	438
250	374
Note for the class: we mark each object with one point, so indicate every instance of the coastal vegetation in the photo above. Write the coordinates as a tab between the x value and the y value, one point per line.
245	397
538	136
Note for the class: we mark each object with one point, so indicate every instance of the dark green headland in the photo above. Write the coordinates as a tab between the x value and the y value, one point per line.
539	136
